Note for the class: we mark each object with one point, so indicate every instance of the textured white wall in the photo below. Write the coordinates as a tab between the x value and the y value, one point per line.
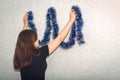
97	59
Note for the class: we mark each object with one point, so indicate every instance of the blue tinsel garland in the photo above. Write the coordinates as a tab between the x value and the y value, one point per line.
51	22
30	21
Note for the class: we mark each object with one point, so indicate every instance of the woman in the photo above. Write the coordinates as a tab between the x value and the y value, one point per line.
29	58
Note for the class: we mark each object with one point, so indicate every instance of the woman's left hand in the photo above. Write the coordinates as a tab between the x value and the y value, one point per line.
25	21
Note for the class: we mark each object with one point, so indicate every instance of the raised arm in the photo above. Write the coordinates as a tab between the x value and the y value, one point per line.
25	26
61	36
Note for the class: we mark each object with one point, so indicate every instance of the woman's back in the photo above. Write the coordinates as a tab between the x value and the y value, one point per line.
36	70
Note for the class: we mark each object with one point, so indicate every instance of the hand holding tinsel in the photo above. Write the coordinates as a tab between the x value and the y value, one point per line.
25	21
72	15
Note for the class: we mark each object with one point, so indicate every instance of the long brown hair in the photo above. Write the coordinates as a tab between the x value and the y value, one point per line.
24	49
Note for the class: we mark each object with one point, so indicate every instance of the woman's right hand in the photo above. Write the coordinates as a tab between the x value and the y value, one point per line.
72	15
25	21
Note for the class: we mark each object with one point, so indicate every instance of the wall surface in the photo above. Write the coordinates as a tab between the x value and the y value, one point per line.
97	59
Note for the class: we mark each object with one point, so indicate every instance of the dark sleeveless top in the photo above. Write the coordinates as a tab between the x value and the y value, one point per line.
36	70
